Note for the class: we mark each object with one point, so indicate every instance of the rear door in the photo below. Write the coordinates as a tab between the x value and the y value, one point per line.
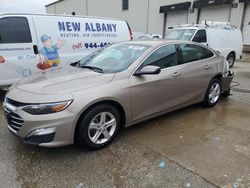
17	41
197	71
176	18
156	93
220	13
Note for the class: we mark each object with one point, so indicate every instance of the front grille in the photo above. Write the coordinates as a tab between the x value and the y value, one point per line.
15	122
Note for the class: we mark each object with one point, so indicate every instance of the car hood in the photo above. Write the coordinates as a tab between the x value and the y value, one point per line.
63	79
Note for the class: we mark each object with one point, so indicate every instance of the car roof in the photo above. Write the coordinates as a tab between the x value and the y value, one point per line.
158	42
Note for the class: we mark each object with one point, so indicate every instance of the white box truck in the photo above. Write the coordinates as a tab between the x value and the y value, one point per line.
221	36
30	42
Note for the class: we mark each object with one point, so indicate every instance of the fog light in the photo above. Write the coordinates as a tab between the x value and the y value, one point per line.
42	131
39	136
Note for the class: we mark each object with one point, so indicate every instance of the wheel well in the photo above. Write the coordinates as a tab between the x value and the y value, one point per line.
232	52
219	76
109	102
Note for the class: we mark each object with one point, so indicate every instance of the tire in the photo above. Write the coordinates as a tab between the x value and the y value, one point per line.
213	93
231	59
98	127
226	94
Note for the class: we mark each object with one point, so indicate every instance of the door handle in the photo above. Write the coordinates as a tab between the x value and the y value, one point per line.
176	74
35	49
207	67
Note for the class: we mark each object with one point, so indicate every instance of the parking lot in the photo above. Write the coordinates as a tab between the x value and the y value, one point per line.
195	147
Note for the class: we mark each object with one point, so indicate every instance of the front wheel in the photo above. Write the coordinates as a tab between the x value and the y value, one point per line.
213	93
99	126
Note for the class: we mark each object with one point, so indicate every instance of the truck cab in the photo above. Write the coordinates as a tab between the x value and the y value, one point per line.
222	37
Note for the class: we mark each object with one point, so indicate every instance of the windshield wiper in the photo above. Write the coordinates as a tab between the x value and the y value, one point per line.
75	63
96	69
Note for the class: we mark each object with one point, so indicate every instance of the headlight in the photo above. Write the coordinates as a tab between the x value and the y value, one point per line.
48	108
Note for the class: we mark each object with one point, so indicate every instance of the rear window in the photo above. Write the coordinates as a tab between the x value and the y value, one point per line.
192	53
14	30
207	53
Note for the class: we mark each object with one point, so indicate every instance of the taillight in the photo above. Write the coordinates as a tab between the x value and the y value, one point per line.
130	32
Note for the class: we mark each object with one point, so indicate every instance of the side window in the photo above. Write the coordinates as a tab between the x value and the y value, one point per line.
14	30
191	52
163	57
207	53
200	36
124	4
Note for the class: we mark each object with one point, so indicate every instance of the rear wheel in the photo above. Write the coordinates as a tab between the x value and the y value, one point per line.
99	126
213	93
231	59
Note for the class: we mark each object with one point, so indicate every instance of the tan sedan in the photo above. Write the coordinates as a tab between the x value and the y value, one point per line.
116	87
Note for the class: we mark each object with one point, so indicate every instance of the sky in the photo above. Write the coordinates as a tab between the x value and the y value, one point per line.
27	6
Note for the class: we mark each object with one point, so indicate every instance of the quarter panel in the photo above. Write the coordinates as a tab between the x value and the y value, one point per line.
197	77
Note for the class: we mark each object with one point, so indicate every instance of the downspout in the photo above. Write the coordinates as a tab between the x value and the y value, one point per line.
198	15
243	17
147	18
230	10
164	25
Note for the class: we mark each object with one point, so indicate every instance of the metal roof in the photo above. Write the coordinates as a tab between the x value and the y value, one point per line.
53	3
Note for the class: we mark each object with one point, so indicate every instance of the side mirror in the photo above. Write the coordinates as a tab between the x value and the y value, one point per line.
150	69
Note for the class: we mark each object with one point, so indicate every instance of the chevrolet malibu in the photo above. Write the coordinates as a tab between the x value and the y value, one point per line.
121	85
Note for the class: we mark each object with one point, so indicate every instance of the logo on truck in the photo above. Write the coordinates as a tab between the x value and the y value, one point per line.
49	56
88	29
2	59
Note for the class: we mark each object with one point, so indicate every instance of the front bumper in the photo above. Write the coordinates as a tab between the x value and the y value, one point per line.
226	81
50	130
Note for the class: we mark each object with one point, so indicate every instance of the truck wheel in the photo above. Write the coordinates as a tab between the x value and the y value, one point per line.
231	59
213	93
99	126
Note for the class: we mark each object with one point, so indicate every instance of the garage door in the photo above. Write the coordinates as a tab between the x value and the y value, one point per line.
215	13
246	26
176	18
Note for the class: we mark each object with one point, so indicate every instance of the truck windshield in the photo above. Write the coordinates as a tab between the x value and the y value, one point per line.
180	34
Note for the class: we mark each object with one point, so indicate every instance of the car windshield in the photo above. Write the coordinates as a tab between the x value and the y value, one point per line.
114	58
181	34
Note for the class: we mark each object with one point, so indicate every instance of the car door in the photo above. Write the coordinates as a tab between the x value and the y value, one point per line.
152	94
197	71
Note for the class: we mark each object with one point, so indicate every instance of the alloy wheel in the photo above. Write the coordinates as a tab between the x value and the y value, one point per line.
102	127
214	93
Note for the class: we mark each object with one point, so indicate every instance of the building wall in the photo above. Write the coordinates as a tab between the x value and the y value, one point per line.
136	15
142	15
51	9
67	7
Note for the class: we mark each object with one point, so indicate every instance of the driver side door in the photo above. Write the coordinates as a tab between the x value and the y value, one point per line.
156	93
